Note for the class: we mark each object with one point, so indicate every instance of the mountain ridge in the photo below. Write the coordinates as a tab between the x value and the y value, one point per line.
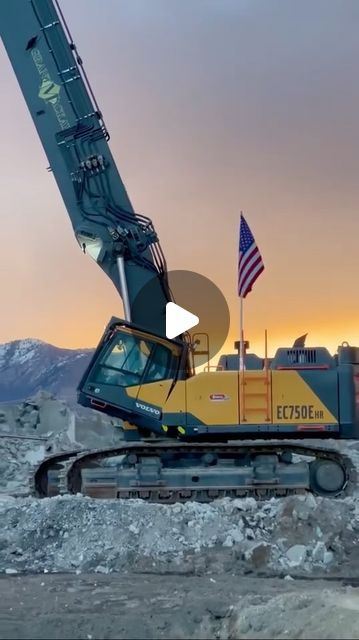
29	365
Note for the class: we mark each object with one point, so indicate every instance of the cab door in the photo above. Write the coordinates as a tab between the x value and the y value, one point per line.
157	394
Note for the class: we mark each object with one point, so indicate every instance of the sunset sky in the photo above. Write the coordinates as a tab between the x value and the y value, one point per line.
213	106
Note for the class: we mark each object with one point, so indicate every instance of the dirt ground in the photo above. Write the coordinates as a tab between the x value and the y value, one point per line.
154	606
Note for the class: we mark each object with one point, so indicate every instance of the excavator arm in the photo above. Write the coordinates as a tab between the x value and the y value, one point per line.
75	139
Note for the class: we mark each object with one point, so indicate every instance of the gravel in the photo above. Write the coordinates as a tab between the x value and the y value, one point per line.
80	534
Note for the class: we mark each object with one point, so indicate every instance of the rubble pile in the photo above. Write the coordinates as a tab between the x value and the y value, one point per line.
43	414
18	458
39	426
324	613
294	535
29	431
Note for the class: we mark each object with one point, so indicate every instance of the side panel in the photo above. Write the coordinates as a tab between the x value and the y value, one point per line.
305	397
155	394
212	399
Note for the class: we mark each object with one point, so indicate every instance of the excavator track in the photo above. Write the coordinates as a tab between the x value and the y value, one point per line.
39	479
150	471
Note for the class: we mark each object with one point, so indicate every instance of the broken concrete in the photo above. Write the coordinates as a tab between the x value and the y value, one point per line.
41	425
77	534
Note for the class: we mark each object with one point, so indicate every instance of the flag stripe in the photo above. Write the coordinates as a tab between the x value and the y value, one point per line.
256	273
250	262
250	270
247	256
247	262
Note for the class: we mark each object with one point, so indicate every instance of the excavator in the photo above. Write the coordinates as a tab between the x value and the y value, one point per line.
187	435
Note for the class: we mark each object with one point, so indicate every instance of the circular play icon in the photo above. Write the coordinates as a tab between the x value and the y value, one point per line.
178	320
198	308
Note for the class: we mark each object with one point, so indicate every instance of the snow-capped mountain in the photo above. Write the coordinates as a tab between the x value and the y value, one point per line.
26	366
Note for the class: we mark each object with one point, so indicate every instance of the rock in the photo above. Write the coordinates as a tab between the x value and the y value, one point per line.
135	529
318	552
102	569
33	418
217	609
249	533
296	555
328	557
304	507
244	504
259	555
243	625
41	396
3	467
228	542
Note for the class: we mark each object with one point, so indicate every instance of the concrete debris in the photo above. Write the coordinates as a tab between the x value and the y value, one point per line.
18	457
259	555
42	425
321	554
80	534
321	613
296	555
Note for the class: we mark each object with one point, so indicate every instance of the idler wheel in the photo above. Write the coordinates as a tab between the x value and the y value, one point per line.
327	477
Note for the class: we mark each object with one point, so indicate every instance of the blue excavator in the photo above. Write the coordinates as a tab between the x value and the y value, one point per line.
187	435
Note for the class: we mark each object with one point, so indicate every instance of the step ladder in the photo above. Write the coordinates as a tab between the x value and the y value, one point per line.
255	391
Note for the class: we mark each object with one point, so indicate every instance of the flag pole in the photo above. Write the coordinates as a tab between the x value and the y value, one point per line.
241	360
241	350
241	334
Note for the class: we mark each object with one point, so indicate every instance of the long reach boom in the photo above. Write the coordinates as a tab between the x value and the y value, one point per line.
74	136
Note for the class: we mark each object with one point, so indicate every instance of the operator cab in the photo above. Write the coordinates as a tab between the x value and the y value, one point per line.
127	358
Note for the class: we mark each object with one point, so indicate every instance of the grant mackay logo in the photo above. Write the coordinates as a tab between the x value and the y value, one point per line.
49	91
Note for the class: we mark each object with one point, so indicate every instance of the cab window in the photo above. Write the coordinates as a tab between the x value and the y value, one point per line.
124	361
131	360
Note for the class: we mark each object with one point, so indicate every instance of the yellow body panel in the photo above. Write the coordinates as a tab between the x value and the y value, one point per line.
156	393
213	397
295	402
230	398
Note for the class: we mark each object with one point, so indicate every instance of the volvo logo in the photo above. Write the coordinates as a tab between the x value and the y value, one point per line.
145	407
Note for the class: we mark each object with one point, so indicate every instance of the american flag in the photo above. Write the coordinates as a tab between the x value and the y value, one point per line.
250	263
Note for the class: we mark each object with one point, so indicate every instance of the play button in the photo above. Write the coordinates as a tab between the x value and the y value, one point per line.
196	302
178	320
